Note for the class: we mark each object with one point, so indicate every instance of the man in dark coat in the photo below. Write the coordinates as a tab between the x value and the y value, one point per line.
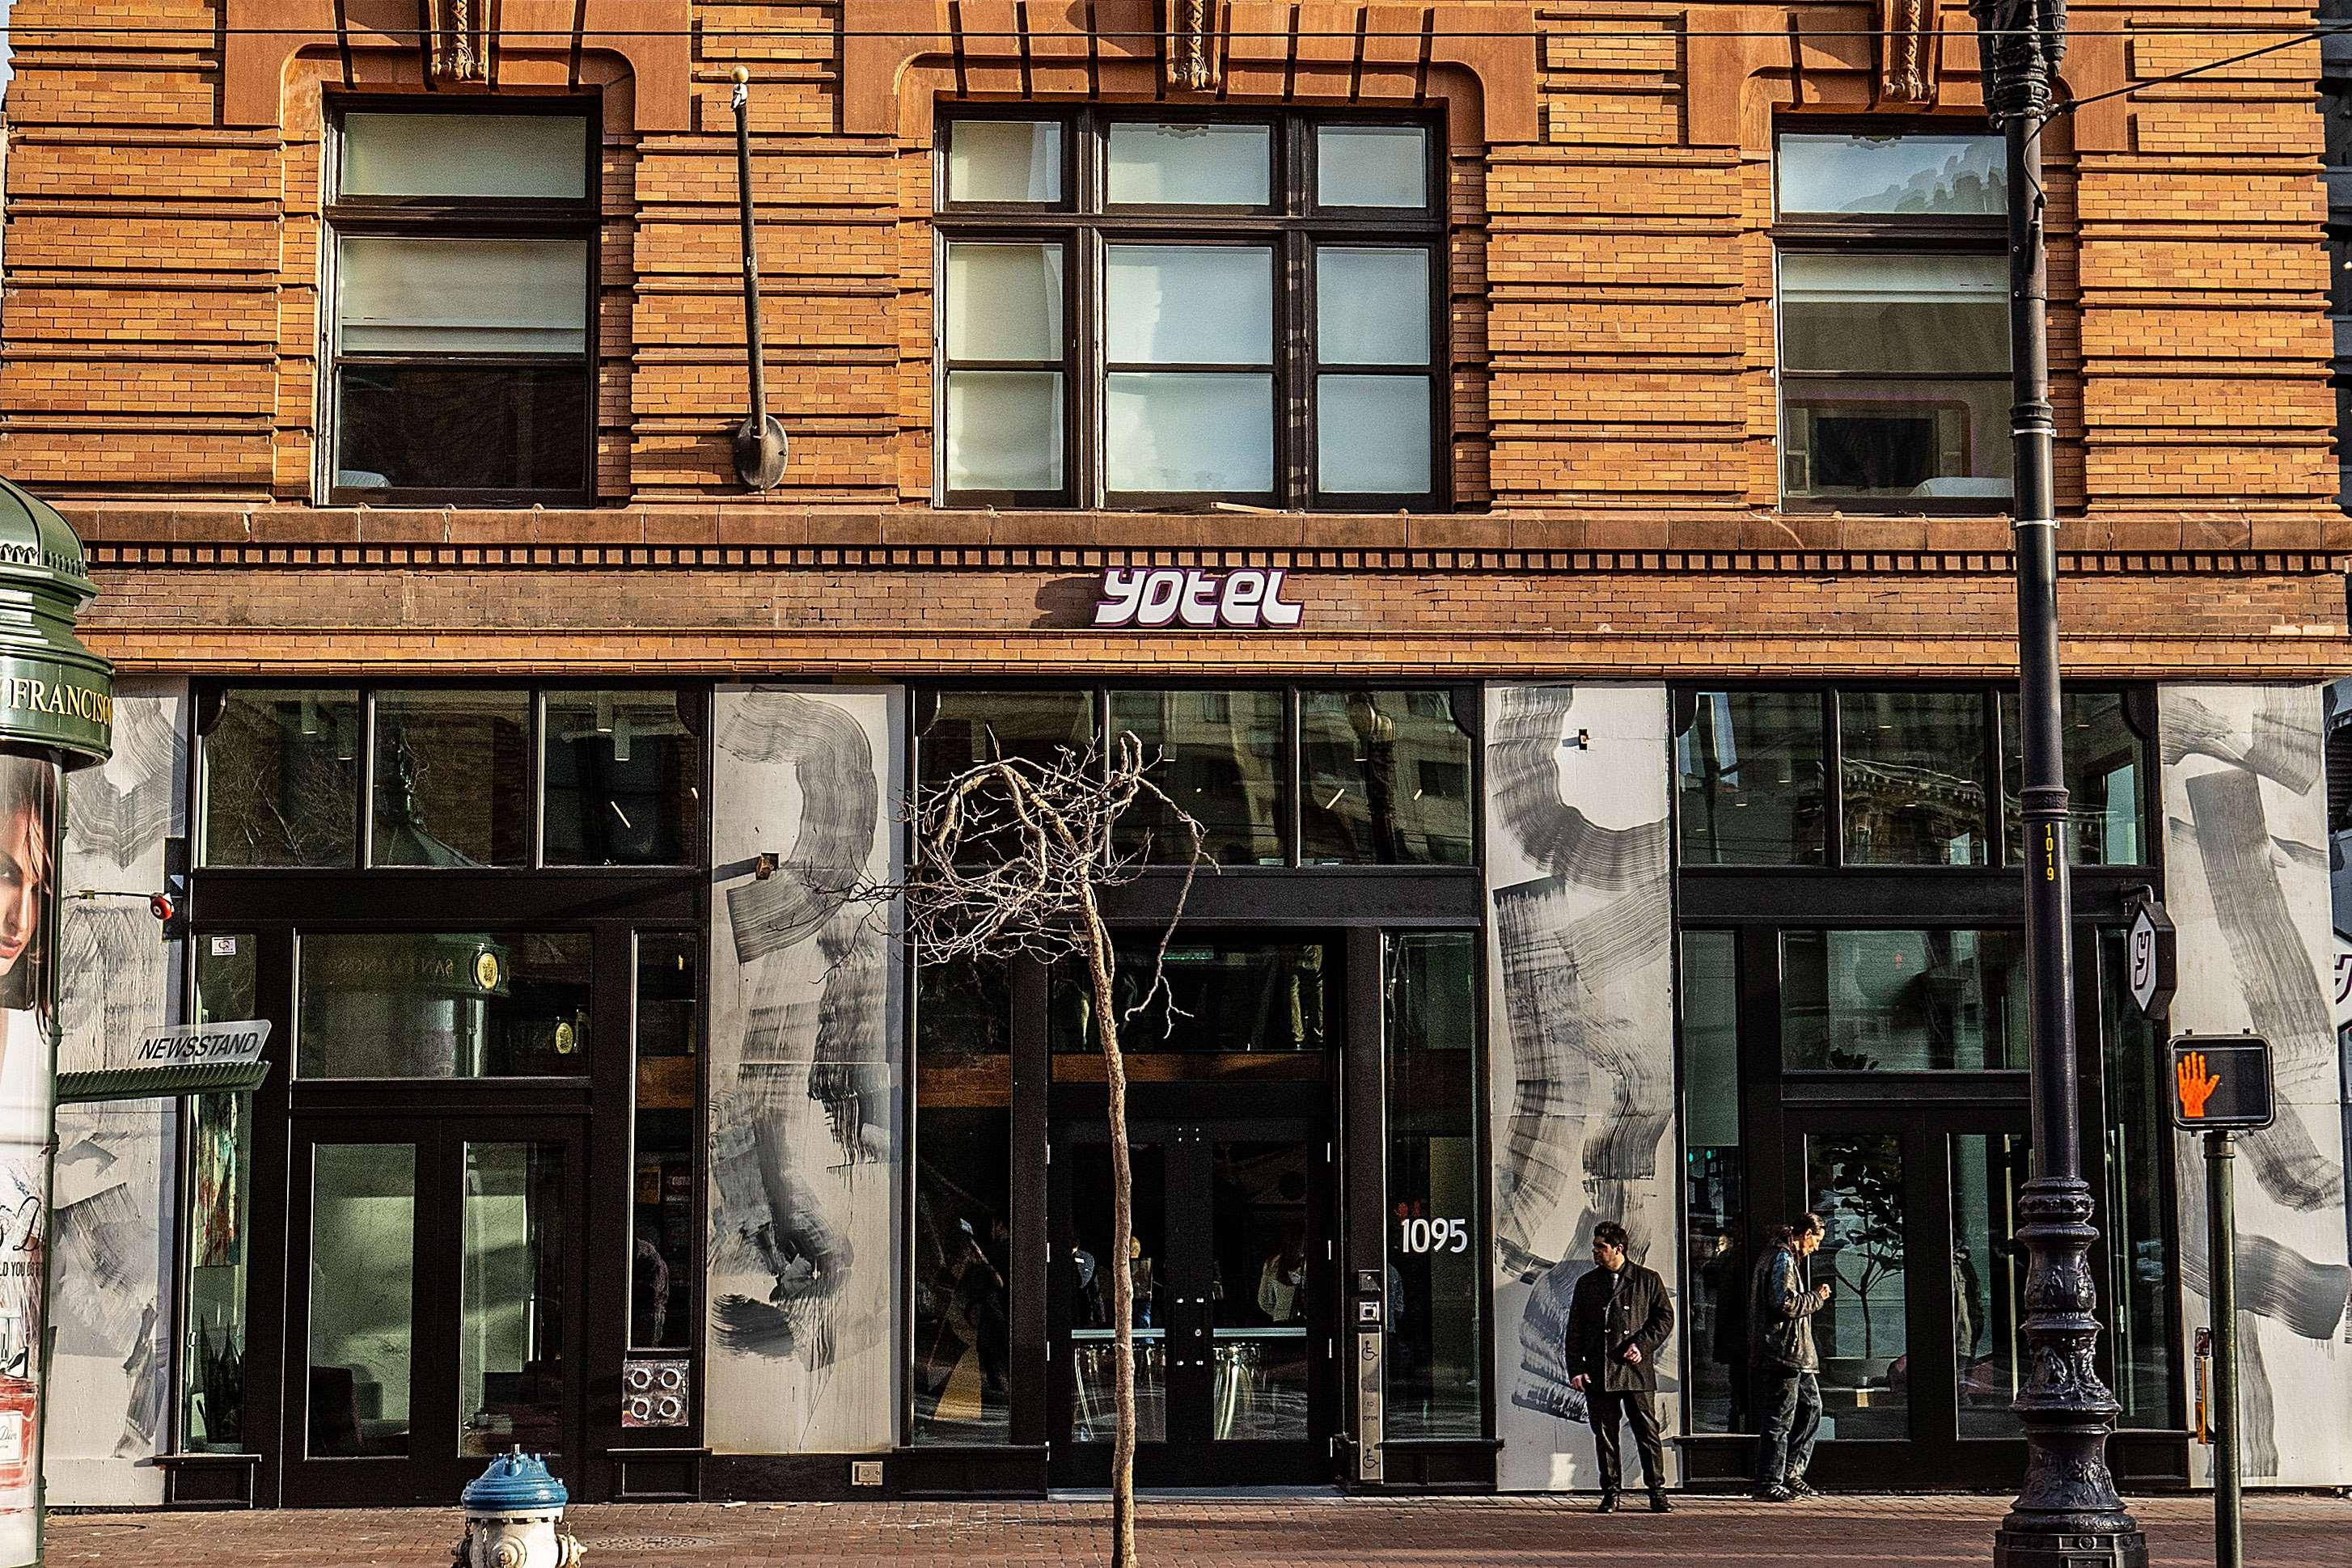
1782	1301
1617	1320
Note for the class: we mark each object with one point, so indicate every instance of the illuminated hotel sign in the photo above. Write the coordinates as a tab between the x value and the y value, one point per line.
1243	600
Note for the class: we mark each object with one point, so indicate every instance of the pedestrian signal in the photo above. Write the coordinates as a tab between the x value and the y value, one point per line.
2220	1082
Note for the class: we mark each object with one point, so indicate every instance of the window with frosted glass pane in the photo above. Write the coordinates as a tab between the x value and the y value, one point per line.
1372	166
1223	760
623	780
462	296
665	1247
1714	1185
281	773
1205	428
452	778
510	155
1005	380
442	1005
1386	776
1895	375
1905	175
961	1241
1433	1361
2106	765
1914	775
1004	161
1749	783
1373	310
1192	163
1911	1001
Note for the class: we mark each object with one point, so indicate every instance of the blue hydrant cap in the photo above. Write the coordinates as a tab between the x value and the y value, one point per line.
515	1480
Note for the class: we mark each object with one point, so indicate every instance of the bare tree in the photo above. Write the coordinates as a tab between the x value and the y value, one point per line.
1011	857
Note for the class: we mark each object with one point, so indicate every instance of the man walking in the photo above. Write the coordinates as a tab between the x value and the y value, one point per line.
1617	1320
1782	1300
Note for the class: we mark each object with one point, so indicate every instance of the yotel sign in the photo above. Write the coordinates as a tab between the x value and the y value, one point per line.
1240	601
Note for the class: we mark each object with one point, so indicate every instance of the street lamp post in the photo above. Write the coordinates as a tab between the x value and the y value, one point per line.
2067	1514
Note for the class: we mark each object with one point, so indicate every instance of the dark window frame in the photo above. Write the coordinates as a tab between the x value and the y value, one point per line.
1872	234
456	217
1292	227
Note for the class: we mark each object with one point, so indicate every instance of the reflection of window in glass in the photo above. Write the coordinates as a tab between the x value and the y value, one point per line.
1386	779
281	778
362	1298
1893	358
1223	760
220	1145
442	1005
1432	1357
1748	770
511	1300
2105	762
963	1237
1230	1000
666	1257
968	727
1988	1280
2135	1230
1854	1001
452	778
1914	768
624	772
1862	1332
1714	1185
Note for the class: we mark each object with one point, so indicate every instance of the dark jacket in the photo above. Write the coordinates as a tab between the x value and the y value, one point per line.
1603	1323
1781	1308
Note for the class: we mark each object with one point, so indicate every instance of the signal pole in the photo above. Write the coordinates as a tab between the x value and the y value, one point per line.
2068	1515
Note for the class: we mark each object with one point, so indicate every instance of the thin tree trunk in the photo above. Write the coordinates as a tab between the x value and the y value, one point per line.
1122	1232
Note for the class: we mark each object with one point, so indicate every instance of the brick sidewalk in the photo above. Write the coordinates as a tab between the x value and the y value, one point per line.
1179	1533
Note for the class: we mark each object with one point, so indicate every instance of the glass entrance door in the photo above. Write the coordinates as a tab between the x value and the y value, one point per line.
1919	1340
433	1319
1233	1302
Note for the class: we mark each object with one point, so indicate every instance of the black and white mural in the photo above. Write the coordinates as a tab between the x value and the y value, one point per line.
805	1073
2246	880
1581	1025
110	1306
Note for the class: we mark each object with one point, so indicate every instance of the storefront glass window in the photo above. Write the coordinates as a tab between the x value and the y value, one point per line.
1387	780
452	778
221	1143
1914	771
1987	1280
1714	1183
362	1299
442	1005
1223	760
1749	772
623	780
668	1261
1431	1356
2105	762
281	778
2133	1232
1858	1001
968	727
1229	999
963	1237
515	1220
1862	1332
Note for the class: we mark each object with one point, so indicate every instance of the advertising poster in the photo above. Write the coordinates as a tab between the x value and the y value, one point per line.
29	811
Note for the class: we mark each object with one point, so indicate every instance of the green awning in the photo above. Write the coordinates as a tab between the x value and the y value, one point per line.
161	1082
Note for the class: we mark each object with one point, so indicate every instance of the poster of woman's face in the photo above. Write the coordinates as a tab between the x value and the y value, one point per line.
28	812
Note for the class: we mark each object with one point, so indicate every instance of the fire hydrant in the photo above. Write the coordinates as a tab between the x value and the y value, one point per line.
514	1515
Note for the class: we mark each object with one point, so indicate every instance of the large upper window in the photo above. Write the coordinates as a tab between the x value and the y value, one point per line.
1894	295
460	275
1162	312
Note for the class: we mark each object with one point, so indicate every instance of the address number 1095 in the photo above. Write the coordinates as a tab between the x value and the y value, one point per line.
1435	1236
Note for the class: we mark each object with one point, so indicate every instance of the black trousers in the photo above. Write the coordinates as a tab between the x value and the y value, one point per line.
1641	1410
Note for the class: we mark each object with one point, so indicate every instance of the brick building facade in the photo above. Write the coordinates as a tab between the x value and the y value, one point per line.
1692	476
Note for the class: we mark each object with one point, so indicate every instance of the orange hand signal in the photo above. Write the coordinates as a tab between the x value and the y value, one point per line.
2197	1086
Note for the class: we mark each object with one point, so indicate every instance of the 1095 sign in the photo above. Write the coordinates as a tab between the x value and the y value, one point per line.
1239	601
